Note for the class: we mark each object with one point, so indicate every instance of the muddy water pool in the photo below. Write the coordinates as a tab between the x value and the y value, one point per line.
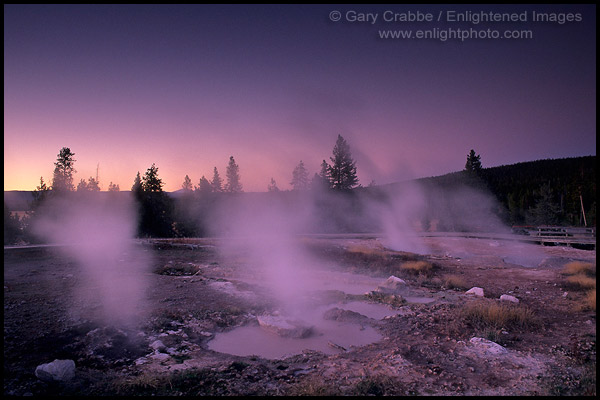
330	336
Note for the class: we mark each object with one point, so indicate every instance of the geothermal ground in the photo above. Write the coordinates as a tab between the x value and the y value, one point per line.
198	330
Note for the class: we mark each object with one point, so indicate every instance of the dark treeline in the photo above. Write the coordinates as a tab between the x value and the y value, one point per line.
544	192
190	212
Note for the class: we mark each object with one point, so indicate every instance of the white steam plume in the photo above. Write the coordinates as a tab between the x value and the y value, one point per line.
98	233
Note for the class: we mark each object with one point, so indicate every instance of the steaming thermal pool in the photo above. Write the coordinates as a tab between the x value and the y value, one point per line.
254	340
330	336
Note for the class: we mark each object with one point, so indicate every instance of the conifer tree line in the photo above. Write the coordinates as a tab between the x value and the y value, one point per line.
545	192
340	175
161	215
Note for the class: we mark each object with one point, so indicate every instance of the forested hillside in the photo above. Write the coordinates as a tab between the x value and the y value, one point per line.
536	192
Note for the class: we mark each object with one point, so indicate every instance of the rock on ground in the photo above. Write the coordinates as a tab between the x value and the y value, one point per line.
57	370
338	314
507	297
488	346
477	291
285	327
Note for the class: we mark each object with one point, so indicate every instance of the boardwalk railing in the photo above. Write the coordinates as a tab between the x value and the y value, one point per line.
559	234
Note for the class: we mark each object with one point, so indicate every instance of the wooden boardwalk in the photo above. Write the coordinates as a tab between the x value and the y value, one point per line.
584	238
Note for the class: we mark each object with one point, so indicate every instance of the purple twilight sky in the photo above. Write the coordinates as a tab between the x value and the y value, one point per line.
186	87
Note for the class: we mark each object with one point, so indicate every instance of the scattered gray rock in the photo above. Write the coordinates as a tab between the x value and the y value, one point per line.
336	346
160	356
284	327
141	361
507	297
488	346
392	284
57	370
338	314
157	345
477	291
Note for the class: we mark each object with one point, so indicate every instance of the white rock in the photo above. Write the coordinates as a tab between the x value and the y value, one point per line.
141	361
392	284
395	281
477	291
285	327
158	345
507	297
160	356
57	370
488	345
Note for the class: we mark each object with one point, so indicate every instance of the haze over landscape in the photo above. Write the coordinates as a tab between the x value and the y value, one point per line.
186	87
299	200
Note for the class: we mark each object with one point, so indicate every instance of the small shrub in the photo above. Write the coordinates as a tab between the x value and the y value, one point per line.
417	267
579	267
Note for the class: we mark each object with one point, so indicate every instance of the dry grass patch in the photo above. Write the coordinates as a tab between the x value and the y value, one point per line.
417	267
487	315
367	250
143	382
454	282
581	281
378	385
582	276
579	268
589	302
312	387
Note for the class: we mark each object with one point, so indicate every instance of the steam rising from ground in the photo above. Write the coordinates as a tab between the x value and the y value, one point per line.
97	232
400	217
264	233
264	229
